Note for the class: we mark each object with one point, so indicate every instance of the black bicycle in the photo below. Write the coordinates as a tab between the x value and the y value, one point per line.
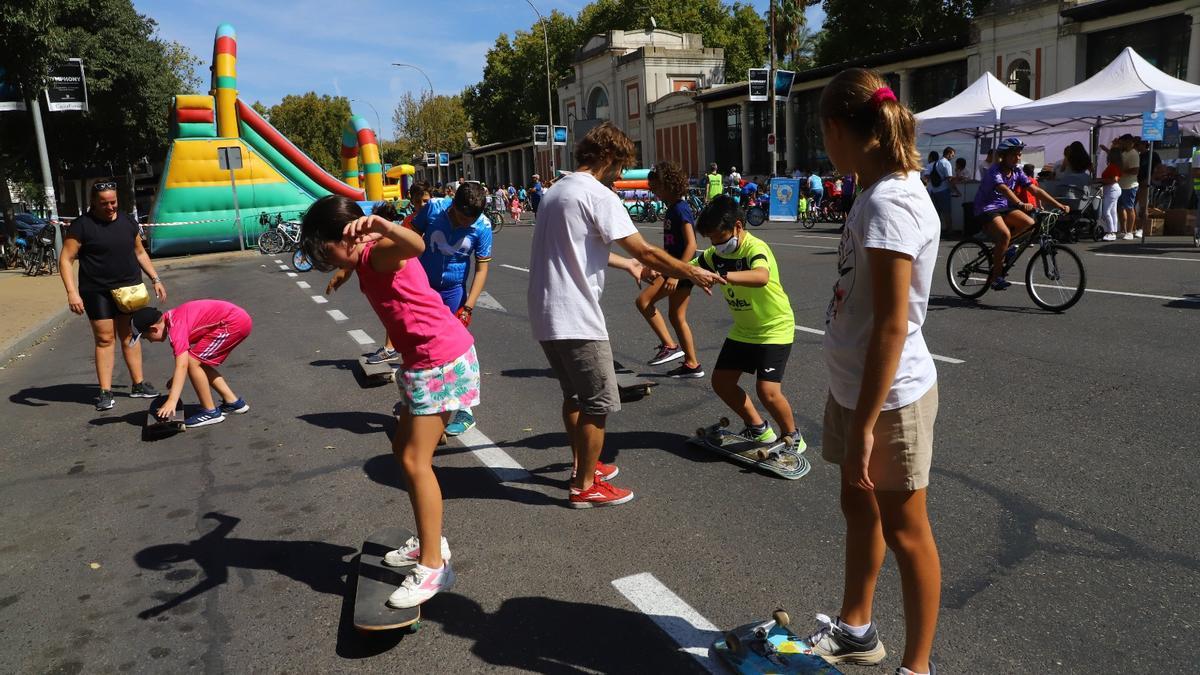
1055	277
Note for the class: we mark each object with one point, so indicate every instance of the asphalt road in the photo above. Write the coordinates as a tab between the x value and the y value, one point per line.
1062	494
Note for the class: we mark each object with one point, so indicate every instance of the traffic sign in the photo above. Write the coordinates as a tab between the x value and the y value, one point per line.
770	142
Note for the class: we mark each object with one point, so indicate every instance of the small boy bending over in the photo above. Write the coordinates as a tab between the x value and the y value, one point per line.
202	333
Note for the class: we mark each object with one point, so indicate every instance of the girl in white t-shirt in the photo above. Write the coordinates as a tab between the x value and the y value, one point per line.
882	382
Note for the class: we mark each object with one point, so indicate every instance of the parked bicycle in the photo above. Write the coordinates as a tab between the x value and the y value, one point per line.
495	218
1055	278
282	235
41	257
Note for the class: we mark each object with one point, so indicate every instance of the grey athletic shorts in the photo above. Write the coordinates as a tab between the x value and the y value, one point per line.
584	369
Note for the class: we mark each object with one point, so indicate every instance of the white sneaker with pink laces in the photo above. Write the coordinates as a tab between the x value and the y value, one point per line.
410	552
422	584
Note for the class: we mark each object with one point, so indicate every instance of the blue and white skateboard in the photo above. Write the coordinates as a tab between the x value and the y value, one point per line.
769	647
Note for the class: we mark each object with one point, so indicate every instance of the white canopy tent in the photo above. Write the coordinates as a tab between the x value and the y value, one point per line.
1122	91
974	112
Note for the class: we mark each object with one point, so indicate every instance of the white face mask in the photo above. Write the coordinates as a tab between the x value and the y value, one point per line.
728	247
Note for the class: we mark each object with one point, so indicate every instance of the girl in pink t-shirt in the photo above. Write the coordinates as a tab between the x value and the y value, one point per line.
439	372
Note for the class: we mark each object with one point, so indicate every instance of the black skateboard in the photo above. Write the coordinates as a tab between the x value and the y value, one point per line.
631	385
157	427
377	581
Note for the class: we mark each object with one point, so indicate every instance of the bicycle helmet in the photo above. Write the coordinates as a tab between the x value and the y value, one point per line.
1010	144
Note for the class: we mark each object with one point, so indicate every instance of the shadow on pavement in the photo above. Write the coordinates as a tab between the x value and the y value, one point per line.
614	443
135	418
351	644
468	483
1192	302
351	366
1020	520
937	302
83	394
545	635
319	565
356	422
527	372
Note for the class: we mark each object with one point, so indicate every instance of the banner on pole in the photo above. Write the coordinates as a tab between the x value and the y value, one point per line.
560	135
1153	124
430	159
785	199
541	134
783	83
67	87
443	159
758	84
10	96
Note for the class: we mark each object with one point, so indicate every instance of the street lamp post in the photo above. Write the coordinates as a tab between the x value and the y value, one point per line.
430	83
549	97
378	119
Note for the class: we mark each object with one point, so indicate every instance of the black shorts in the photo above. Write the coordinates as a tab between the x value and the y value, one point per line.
767	362
99	305
986	217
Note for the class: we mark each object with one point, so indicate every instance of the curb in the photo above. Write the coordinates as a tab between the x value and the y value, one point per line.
34	335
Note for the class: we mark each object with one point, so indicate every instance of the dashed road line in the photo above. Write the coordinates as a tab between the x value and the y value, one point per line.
319	299
337	315
283	267
936	357
514	267
486	301
780	243
1144	257
500	463
360	336
303	284
291	274
692	632
817	236
278	262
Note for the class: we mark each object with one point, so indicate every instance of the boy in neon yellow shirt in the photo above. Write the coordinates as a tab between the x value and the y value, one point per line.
760	340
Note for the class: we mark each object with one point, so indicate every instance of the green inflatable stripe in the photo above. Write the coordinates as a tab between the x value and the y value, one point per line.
181	204
635	174
282	164
197	130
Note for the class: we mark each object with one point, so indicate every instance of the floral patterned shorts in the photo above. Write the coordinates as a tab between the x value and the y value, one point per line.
450	386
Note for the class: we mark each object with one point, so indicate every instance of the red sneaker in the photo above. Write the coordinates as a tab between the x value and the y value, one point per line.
602	493
603	471
606	472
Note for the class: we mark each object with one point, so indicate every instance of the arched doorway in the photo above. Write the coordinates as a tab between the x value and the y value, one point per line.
1019	77
597	104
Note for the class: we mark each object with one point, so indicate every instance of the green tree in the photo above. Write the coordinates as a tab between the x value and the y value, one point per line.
431	124
792	38
397	152
313	123
857	28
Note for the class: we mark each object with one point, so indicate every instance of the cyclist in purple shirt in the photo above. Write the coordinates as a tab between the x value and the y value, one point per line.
998	210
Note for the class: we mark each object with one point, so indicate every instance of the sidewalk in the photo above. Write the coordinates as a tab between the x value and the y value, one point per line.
32	307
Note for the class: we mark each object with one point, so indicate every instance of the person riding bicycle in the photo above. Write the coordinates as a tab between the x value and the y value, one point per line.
816	190
1000	212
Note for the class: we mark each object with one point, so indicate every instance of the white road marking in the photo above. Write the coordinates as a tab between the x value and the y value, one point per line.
514	267
692	632
1171	298
817	236
780	243
1144	257
486	301
319	299
505	468
278	262
337	315
303	284
291	274
936	357
360	336
283	267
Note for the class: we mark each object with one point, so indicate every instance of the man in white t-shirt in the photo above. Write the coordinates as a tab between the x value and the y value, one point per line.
735	178
577	223
940	173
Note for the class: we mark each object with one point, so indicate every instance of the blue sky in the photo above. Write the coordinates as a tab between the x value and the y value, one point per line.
296	46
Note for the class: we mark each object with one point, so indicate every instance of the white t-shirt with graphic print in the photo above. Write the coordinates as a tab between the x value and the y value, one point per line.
895	214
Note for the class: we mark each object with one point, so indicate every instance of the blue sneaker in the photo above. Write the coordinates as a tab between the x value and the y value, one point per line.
204	418
238	407
462	420
1001	284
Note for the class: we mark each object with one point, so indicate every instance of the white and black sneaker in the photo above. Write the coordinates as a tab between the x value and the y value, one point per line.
665	354
837	645
684	371
106	400
143	389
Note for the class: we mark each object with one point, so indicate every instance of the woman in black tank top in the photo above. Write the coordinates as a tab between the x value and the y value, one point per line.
108	246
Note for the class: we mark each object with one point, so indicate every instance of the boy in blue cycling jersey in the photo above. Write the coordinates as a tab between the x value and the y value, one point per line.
456	232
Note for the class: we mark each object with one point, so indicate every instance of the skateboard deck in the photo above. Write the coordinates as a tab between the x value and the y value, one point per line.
378	373
630	384
768	647
777	457
376	582
157	428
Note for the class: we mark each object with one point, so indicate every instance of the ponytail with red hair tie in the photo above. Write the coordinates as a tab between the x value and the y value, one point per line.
882	94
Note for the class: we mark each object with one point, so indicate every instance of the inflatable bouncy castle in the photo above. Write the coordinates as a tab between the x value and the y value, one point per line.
194	209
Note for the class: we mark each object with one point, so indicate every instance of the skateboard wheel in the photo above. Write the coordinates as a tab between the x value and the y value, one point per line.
724	421
414	627
781	617
763	454
734	643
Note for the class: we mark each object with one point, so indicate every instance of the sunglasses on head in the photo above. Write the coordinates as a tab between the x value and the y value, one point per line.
104	187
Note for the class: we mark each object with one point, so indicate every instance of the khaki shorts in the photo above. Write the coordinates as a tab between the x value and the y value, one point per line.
584	369
903	447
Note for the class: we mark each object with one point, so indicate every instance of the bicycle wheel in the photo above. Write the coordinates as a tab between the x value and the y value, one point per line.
756	216
33	263
496	219
271	242
810	220
636	212
967	269
1055	278
300	262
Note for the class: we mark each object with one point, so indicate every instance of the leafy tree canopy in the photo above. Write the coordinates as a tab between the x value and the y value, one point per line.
431	124
313	123
857	28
